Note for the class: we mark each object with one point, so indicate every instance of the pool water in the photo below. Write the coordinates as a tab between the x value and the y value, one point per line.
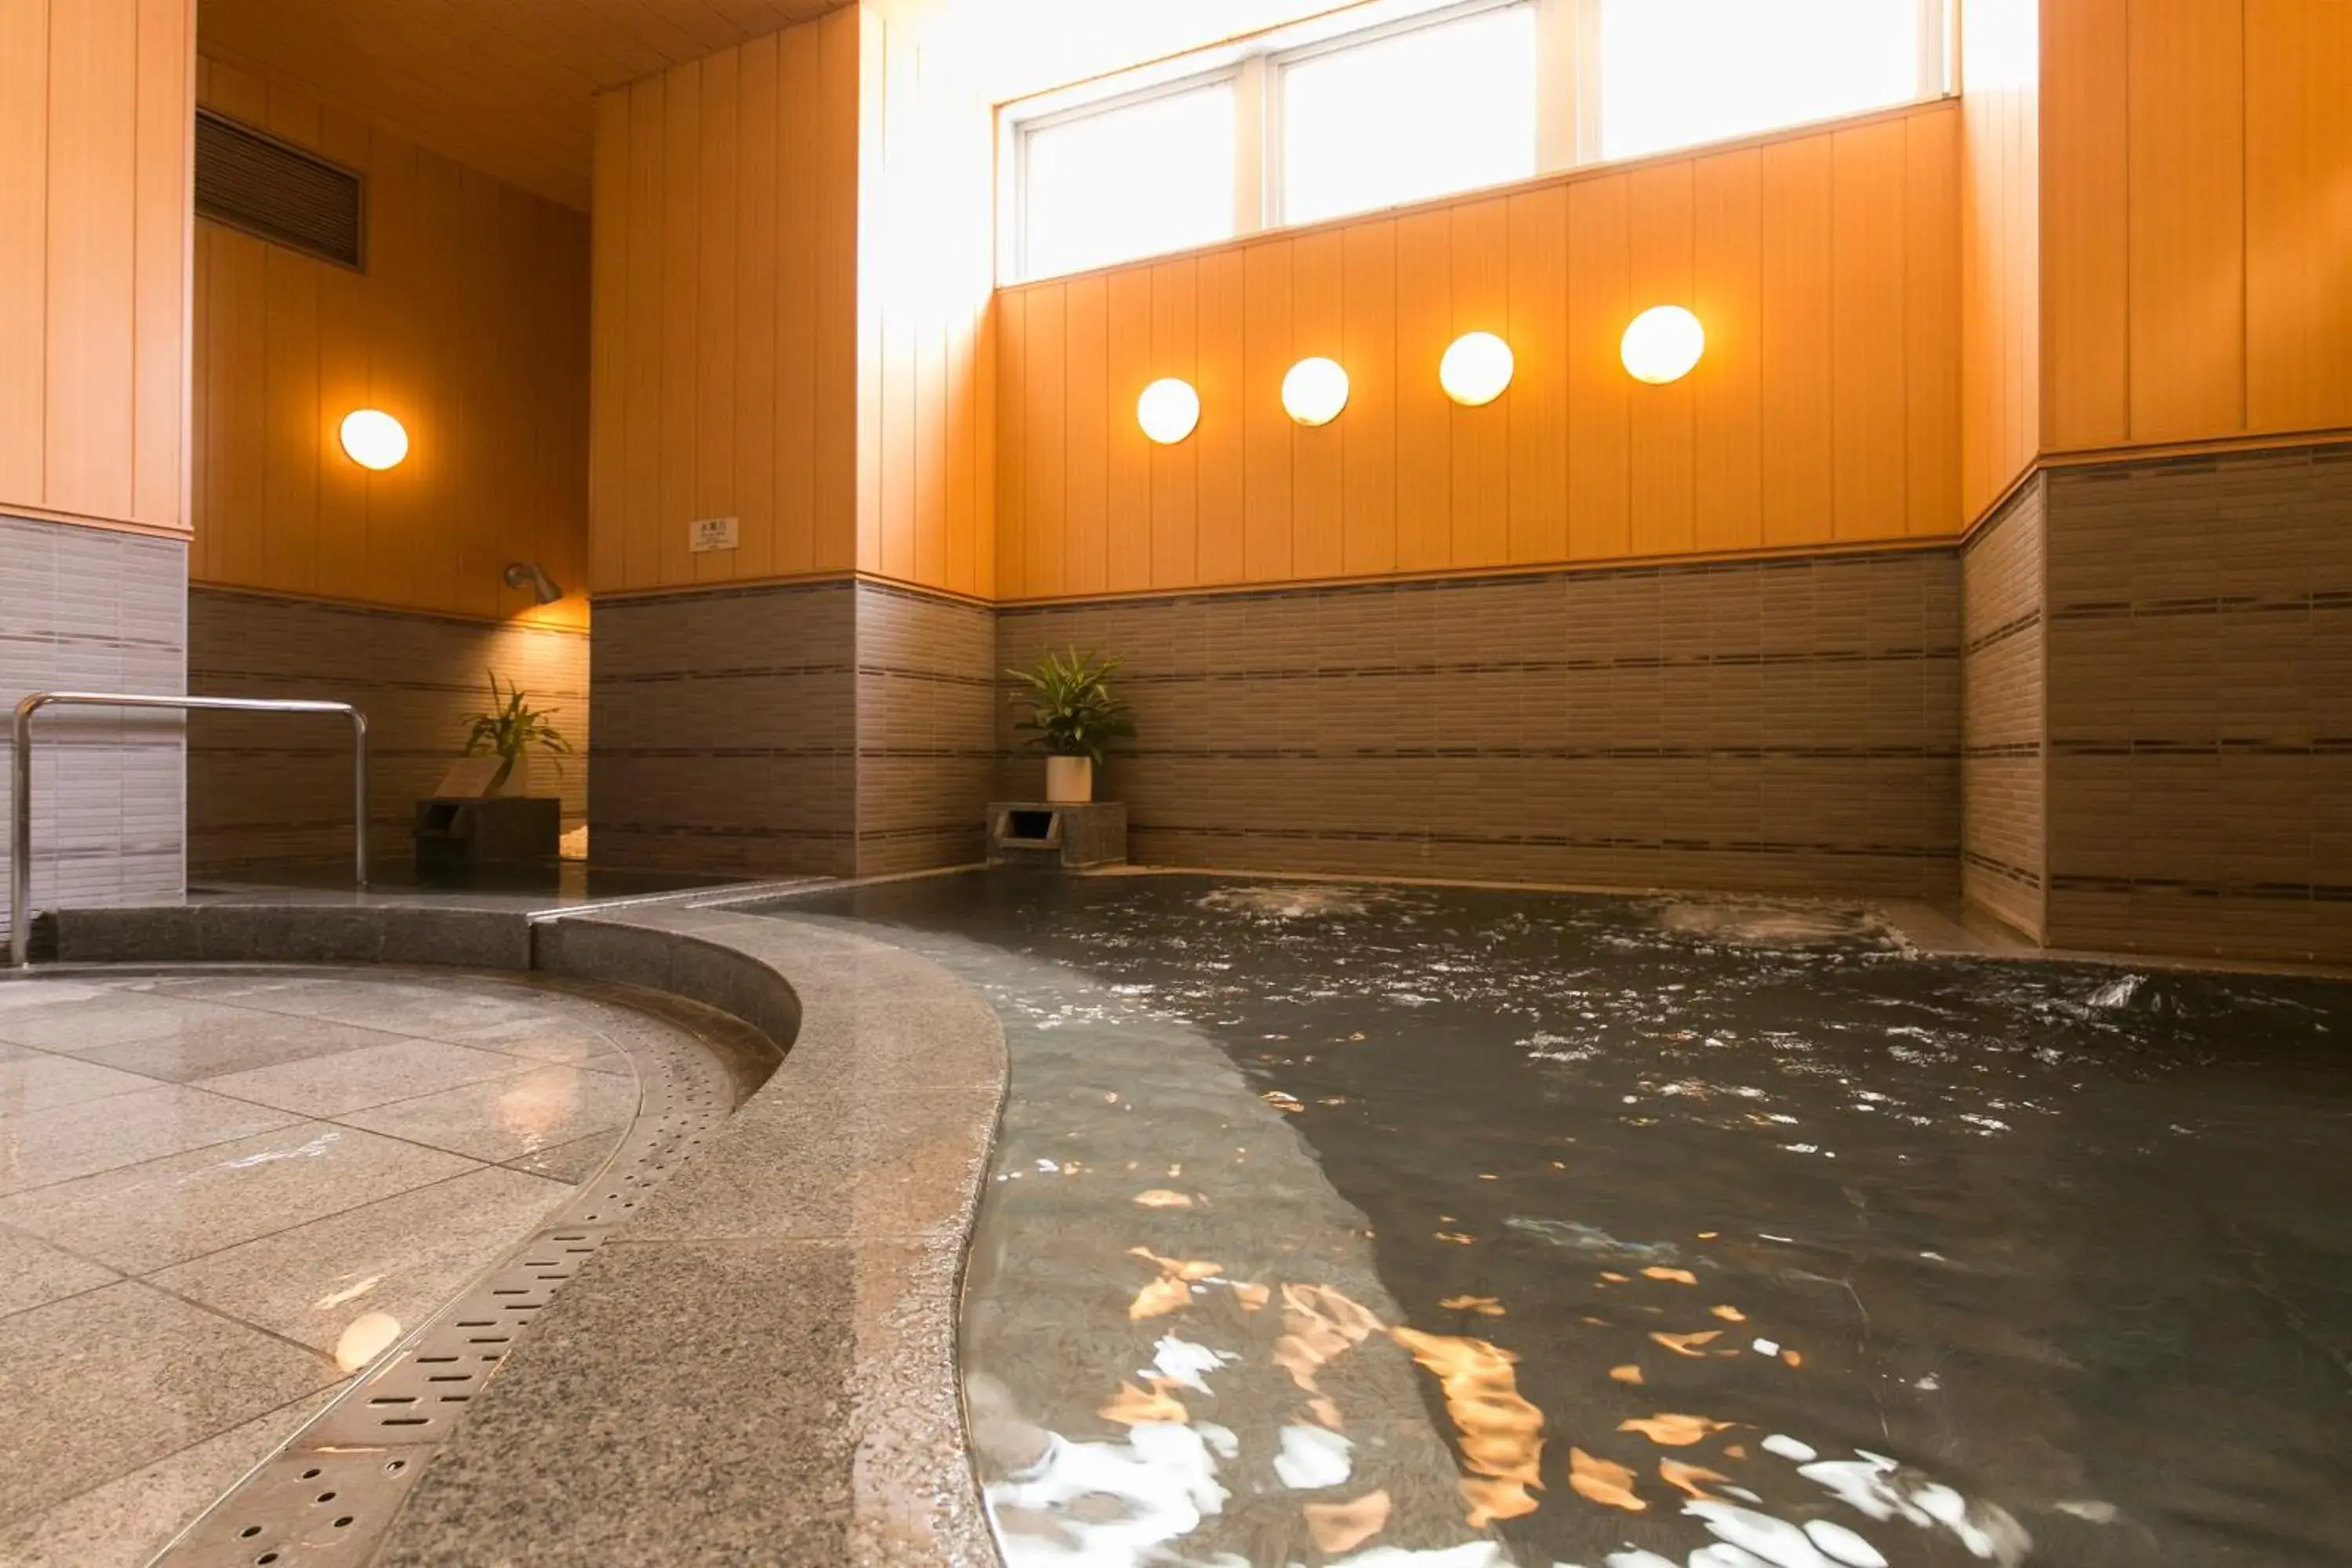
1723	1234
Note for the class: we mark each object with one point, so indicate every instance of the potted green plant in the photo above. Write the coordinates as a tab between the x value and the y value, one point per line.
510	730
1072	716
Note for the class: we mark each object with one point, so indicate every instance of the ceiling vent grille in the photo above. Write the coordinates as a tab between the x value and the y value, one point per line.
262	187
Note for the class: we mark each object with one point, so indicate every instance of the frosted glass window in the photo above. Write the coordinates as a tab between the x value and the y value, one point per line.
1440	107
1675	72
1135	180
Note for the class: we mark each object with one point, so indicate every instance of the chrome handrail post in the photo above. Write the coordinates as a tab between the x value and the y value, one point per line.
20	829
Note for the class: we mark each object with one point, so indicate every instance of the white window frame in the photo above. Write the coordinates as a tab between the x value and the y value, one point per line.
1568	97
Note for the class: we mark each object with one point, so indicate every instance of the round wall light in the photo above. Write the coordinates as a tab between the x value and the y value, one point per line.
1662	344
1315	391
1476	369
375	440
1169	410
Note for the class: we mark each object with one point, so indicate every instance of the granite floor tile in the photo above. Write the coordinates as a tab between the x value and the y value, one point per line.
33	1274
573	1041
242	1043
572	1163
510	1118
640	1435
166	1211
39	1081
408	1255
70	1142
123	1523
820	1159
377	1075
94	1019
424	1011
104	1383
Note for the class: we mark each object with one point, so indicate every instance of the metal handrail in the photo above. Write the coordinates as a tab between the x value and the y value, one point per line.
20	838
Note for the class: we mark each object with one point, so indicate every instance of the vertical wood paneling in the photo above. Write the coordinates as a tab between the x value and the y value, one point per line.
1870	449
1045	399
1660	449
1176	470
93	102
718	337
1538	403
1827	429
471	325
2187	99
1267	357
1799	353
681	321
1084	463
1367	349
24	260
163	304
1931	325
1726	390
1012	313
2087	225
802	287
1132	367
2298	213
1318	456
1424	463
1482	435
608	329
1219	365
641	433
1600	418
758	293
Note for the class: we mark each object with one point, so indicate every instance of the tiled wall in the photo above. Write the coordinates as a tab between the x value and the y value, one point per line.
94	610
835	728
1779	726
2200	705
2003	725
926	729
276	789
727	731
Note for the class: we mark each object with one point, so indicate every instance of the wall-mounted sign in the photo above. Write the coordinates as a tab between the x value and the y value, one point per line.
710	533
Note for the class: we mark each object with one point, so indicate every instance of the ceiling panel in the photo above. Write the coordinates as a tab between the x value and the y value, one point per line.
506	86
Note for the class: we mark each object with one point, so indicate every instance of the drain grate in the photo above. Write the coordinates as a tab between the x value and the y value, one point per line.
330	1496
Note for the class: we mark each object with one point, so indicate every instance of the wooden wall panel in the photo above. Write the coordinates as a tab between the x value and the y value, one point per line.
2001	246
924	240
1823	263
726	337
94	273
470	325
2198	226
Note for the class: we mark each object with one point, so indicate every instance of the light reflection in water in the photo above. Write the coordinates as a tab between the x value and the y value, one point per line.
1917	1189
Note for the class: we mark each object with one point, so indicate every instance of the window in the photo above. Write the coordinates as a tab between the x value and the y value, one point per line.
1409	115
1670	73
1391	101
1152	174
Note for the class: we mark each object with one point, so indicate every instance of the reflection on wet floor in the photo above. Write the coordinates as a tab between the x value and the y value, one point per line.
224	1193
1408	1226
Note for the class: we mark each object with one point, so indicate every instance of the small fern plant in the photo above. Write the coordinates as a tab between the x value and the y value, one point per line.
1071	710
510	729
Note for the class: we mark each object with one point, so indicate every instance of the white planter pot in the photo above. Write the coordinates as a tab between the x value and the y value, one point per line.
1069	781
517	781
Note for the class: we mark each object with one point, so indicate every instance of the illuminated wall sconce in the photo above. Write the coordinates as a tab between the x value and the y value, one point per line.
1476	370
1315	391
375	440
1169	410
1662	344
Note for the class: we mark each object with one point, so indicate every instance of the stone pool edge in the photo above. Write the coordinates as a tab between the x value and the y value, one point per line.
761	1364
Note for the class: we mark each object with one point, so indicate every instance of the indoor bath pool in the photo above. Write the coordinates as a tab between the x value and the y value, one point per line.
1406	1226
